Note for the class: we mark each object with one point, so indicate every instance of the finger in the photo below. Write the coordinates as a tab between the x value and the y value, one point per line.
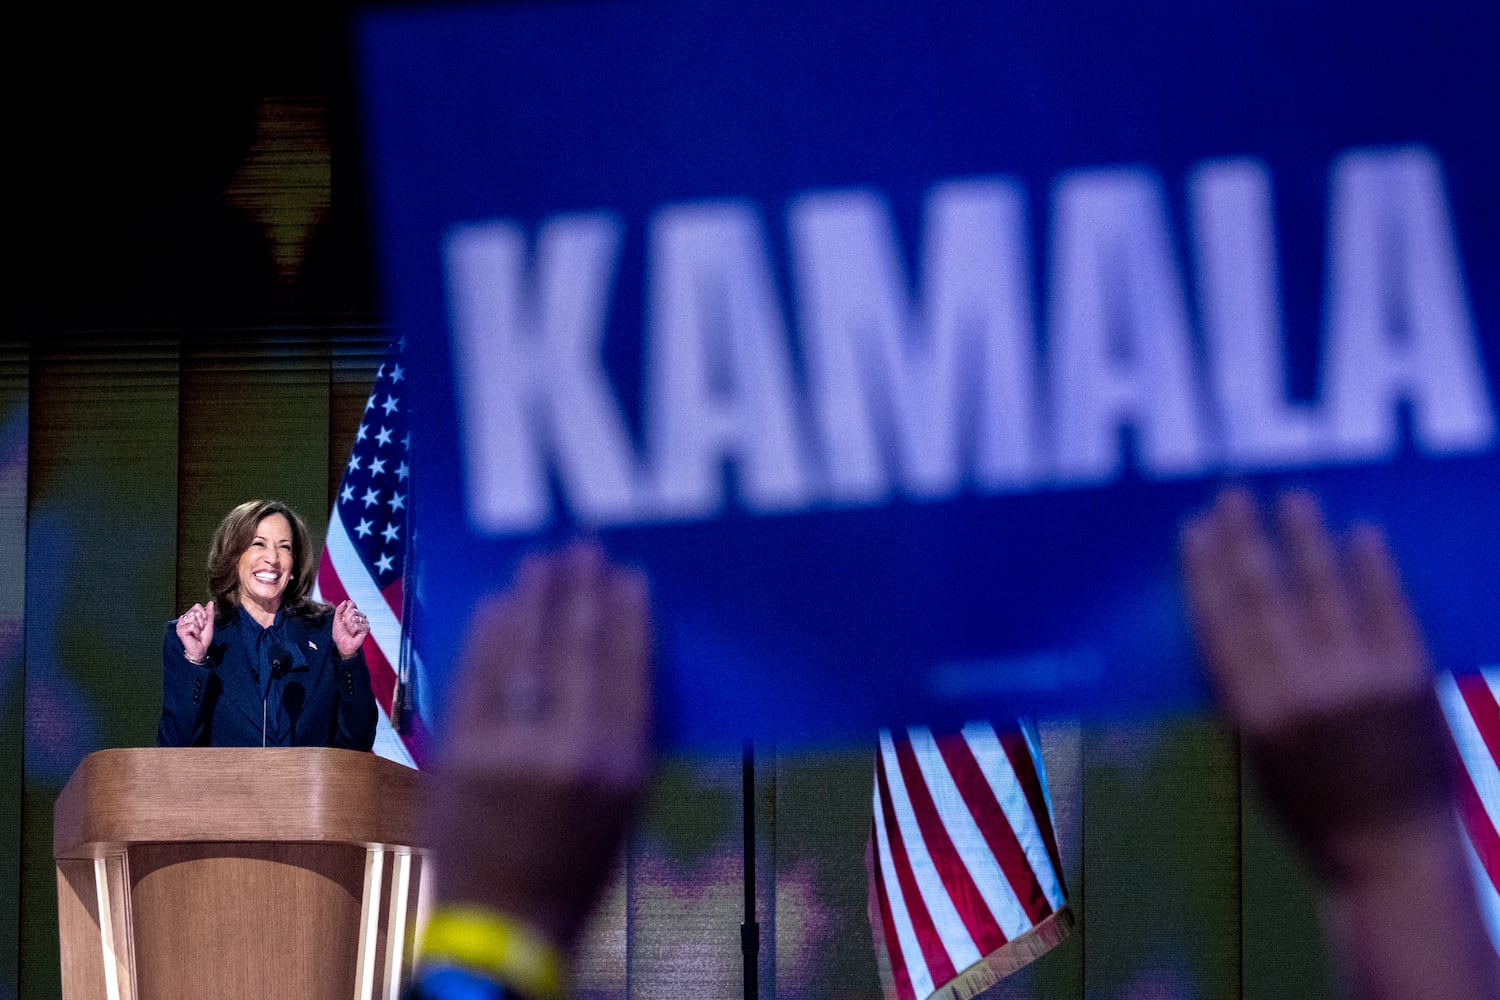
1382	605
1254	578
1212	603
489	635
534	581
517	661
575	652
1208	601
1245	614
190	622
1315	575
623	686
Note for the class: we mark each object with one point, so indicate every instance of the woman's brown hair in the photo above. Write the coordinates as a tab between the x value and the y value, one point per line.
233	537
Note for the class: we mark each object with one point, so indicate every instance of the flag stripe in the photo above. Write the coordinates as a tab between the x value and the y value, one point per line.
962	796
1479	826
999	832
1489	896
965	860
1474	776
1027	823
388	742
1483	710
1479	778
947	853
1039	809
902	934
1048	821
923	951
395	594
1473	715
330	590
357	585
923	856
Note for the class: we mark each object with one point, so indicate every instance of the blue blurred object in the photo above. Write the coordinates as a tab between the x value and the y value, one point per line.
684	276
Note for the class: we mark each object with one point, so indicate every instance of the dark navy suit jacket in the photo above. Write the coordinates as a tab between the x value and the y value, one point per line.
321	701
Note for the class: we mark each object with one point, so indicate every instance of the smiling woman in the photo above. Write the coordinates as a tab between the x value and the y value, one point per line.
262	663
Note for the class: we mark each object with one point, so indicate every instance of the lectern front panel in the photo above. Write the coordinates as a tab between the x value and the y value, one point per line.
299	901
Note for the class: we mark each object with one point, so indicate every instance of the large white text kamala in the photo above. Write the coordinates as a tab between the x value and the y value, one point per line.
928	392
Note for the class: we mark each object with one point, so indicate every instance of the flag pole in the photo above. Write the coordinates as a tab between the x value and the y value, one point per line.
749	928
402	701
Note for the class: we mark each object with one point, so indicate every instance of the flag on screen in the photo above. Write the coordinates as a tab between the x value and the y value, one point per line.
965	881
1472	710
364	557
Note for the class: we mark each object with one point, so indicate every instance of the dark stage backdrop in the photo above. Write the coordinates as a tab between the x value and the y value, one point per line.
189	322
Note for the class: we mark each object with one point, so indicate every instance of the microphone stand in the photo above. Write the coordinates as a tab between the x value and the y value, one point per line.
281	665
750	928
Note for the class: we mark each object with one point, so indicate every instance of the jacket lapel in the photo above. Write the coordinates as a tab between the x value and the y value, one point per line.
310	644
234	670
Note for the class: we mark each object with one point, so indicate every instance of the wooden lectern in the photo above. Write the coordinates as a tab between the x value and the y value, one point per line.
185	874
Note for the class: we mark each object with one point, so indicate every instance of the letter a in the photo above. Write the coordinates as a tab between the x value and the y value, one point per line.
1398	316
719	376
1119	349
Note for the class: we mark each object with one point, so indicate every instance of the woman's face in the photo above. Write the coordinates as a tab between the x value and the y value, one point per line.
265	567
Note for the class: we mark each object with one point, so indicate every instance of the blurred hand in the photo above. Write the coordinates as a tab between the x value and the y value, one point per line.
547	741
1318	659
195	629
350	626
1289	625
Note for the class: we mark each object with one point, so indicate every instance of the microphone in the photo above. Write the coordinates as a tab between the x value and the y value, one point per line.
281	665
281	662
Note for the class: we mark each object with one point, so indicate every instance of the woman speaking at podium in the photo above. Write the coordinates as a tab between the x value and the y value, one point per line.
262	664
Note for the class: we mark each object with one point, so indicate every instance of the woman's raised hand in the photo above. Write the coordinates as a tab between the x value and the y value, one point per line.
350	626
195	629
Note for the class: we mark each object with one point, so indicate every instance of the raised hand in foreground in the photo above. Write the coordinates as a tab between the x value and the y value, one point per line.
1318	660
546	755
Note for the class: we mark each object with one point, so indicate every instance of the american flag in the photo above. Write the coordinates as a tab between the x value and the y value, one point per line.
965	880
1473	713
364	557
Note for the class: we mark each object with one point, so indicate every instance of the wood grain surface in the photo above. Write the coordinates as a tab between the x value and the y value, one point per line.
176	795
232	873
246	921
